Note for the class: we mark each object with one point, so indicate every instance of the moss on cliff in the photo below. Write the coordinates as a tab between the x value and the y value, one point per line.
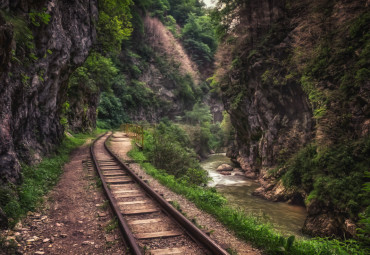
295	80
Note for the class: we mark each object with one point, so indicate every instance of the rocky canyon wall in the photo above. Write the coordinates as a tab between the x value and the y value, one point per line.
37	56
287	71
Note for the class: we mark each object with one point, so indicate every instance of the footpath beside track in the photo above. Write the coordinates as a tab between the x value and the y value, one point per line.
148	222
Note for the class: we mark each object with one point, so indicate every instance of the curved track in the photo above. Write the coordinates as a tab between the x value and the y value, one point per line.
149	224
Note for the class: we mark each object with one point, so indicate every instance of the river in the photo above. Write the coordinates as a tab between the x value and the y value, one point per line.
287	219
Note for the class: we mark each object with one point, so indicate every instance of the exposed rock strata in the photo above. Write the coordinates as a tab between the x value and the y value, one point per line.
32	91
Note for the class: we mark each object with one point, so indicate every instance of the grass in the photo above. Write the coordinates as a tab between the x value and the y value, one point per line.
38	179
112	225
247	227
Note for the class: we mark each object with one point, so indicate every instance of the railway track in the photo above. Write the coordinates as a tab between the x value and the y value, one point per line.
149	224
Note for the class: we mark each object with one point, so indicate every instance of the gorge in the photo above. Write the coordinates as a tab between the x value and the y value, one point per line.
283	85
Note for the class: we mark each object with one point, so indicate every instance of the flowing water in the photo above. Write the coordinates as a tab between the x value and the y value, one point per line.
287	219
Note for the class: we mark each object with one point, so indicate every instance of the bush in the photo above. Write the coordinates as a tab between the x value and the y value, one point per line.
334	175
167	147
246	226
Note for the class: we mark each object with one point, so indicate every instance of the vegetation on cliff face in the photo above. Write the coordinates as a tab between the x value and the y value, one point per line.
294	77
155	76
301	50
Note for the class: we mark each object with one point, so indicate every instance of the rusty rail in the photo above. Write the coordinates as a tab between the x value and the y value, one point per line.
190	228
125	229
195	233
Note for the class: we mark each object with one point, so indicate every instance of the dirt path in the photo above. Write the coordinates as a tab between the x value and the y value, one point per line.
75	219
209	224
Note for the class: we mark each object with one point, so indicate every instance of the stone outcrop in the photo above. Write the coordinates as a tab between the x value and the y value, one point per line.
260	69
34	81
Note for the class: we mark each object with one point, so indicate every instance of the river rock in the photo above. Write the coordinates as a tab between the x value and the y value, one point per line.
225	173
224	167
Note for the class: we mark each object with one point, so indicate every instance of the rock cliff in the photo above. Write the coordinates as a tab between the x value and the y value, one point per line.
287	71
37	56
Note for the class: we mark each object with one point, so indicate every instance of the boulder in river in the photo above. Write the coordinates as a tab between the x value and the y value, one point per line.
224	167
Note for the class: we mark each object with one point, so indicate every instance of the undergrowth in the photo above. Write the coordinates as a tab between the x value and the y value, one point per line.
16	201
247	227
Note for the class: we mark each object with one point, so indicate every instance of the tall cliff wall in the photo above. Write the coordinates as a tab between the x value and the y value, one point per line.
36	61
294	73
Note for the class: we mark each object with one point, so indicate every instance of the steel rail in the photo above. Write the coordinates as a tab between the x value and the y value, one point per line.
195	232
125	229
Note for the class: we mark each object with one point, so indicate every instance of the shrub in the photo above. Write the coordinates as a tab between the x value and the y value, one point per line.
167	147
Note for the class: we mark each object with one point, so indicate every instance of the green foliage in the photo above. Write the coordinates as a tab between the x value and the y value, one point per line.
110	111
37	18
170	23
22	35
159	8
25	80
96	74
199	114
204	135
37	181
364	230
167	147
114	24
333	175
181	9
185	89
331	105
101	70
247	227
199	39
224	14
111	226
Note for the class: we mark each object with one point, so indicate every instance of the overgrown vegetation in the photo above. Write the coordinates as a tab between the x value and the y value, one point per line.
328	60
206	135
168	148
333	176
245	226
196	30
16	201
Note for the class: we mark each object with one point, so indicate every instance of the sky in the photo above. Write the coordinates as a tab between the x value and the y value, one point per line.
210	3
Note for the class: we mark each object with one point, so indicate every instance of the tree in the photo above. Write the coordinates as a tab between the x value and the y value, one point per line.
114	24
199	38
199	114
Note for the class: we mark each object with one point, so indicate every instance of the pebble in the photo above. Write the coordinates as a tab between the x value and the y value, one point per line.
18	226
63	235
10	238
58	224
39	252
102	214
30	241
109	238
80	221
87	243
46	240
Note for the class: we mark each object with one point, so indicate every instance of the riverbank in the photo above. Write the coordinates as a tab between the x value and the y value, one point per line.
238	189
247	227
